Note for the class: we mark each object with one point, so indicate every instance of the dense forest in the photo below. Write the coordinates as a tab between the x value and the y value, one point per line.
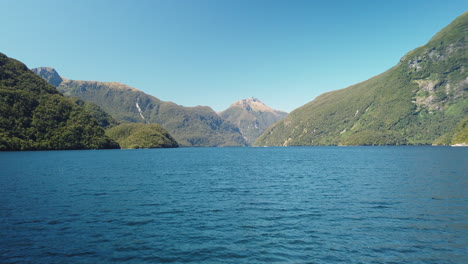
35	116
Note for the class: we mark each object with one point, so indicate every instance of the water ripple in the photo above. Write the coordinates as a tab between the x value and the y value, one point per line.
235	205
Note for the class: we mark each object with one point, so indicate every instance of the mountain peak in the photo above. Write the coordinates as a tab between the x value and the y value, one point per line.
49	74
253	99
253	104
46	69
252	117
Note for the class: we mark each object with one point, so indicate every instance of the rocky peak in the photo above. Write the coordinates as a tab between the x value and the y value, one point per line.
252	117
49	74
253	104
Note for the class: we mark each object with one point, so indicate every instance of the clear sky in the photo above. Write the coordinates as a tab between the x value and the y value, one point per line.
215	52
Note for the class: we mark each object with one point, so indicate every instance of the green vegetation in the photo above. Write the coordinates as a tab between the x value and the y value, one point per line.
374	138
419	101
104	119
34	116
138	135
461	133
190	126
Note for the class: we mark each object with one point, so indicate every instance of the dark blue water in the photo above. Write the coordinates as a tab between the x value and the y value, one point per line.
235	205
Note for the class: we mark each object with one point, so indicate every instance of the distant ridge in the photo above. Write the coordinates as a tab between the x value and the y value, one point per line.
252	117
190	126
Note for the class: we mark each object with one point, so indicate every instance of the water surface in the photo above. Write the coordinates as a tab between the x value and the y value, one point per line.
235	205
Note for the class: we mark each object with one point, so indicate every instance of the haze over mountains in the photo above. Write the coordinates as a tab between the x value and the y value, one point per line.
421	100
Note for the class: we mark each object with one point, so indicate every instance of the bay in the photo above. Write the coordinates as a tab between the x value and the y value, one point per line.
235	205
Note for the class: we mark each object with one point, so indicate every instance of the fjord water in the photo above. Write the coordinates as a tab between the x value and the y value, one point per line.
235	205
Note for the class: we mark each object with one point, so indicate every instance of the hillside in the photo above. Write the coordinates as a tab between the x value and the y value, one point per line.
252	117
139	135
35	116
104	119
190	126
421	100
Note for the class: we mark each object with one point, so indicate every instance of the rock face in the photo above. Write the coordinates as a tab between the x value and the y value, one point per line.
190	126
252	117
421	100
49	74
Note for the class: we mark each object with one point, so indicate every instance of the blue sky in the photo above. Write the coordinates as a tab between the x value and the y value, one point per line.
215	52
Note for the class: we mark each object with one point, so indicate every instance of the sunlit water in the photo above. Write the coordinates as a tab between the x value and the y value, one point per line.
235	205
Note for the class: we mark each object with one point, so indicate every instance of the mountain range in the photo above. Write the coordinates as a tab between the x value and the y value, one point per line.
239	125
190	126
422	100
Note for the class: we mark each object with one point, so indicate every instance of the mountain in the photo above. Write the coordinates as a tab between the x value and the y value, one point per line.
190	126
252	117
52	77
104	119
139	135
35	116
49	74
421	100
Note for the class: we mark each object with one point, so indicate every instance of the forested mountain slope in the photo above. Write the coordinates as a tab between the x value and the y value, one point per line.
35	116
421	100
